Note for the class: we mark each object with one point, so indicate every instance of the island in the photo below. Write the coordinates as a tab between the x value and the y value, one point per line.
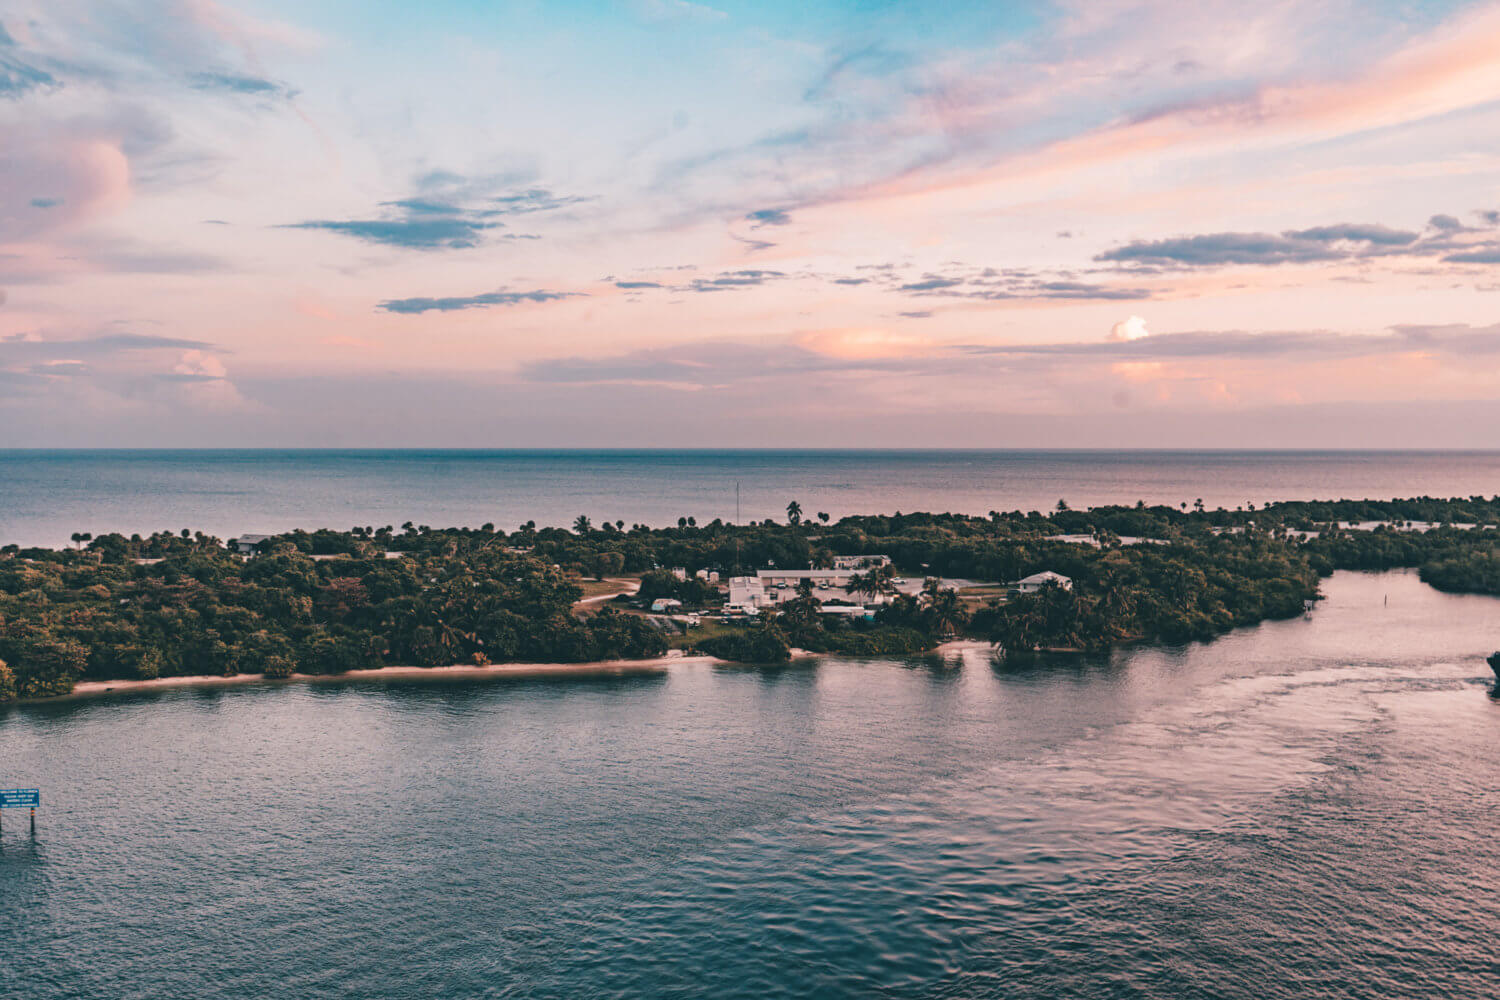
325	603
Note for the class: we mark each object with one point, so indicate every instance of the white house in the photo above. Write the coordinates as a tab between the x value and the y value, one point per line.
1036	581
248	545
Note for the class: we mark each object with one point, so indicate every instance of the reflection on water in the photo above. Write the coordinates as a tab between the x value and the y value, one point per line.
1295	810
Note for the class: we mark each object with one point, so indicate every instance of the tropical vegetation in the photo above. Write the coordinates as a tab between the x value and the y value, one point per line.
180	603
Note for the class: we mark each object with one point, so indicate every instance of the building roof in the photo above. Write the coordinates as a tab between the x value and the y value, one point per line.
1045	576
252	539
811	574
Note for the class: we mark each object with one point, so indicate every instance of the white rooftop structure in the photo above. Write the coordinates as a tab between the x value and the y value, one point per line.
770	587
1036	581
815	575
860	562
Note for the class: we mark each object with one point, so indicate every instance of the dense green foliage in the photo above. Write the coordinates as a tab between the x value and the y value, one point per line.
200	610
1465	571
179	604
766	644
692	592
1174	593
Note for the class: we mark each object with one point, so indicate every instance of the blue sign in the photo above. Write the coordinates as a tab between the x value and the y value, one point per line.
20	798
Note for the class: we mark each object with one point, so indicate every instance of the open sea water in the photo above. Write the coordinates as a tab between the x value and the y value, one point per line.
1304	809
45	496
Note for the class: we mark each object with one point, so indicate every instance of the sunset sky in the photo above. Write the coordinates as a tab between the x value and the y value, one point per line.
663	223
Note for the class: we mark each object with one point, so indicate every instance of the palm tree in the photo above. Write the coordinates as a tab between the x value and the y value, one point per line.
794	513
582	524
860	583
945	611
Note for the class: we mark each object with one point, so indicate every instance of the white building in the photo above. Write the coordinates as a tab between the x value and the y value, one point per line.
1036	581
860	562
665	604
848	611
745	594
1124	540
770	587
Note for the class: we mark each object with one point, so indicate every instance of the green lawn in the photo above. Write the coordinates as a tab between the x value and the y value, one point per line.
710	628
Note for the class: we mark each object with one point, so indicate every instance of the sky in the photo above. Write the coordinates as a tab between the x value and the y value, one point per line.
661	223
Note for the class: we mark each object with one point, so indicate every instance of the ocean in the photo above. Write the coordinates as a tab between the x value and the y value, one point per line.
45	496
1303	809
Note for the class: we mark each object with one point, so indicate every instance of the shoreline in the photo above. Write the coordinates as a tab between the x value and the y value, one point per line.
494	671
656	666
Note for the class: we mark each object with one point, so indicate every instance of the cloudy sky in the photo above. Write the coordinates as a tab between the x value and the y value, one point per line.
658	223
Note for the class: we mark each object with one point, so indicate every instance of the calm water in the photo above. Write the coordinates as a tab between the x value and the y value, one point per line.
45	496
1304	809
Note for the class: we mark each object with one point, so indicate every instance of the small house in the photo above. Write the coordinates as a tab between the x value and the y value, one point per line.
248	545
1036	581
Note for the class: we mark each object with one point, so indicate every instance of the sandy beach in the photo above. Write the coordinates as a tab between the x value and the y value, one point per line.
460	672
499	671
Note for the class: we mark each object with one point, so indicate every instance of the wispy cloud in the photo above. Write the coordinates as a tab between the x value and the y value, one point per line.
698	365
38	348
452	303
536	200
448	212
235	83
1343	241
730	280
18	76
709	364
769	217
677	11
995	285
1455	341
411	230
